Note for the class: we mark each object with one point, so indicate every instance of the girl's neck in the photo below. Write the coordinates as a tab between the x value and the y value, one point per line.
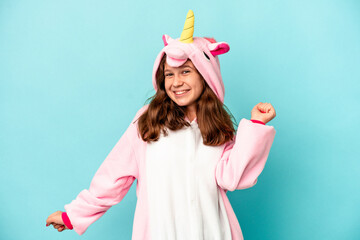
191	118
191	113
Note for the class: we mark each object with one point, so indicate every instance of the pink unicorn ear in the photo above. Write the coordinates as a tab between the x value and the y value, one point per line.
166	39
218	48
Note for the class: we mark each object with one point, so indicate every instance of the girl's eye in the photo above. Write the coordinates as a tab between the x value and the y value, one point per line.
168	74
186	71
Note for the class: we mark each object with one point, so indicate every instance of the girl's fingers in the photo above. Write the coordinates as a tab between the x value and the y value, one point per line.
54	218
268	108
261	107
49	221
264	107
57	226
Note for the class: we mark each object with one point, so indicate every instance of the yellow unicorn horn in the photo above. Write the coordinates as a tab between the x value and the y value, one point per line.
188	31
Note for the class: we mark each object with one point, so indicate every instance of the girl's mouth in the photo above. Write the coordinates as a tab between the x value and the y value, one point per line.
181	93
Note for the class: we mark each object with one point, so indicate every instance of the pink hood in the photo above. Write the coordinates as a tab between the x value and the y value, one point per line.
202	52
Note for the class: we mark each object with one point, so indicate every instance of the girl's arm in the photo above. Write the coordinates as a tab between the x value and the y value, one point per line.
109	185
244	159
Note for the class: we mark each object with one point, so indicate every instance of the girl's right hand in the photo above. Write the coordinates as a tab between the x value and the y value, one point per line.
56	220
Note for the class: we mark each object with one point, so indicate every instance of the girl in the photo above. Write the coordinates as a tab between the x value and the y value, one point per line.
182	149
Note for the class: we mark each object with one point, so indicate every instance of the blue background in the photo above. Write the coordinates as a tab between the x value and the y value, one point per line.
74	73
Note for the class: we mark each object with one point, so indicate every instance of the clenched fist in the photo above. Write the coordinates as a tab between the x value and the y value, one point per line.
55	219
264	112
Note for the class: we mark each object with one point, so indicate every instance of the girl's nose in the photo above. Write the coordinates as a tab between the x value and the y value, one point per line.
177	81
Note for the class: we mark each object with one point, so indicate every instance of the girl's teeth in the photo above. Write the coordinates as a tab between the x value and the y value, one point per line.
180	92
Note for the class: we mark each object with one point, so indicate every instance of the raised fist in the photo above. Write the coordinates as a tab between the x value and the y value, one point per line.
264	112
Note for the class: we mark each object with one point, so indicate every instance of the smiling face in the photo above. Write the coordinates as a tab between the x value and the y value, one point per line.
184	85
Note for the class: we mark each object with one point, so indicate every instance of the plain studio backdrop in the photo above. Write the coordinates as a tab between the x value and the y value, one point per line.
74	73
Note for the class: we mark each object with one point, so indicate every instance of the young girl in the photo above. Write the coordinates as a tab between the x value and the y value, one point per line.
182	149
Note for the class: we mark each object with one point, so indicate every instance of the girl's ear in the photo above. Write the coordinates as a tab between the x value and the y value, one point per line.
166	39
218	48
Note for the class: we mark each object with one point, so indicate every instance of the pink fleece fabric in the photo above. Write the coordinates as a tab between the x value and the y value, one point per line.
257	121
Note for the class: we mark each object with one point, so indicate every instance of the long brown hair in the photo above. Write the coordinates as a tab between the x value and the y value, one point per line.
216	124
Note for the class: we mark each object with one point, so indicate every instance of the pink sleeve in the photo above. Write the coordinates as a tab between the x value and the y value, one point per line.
244	159
257	121
109	185
66	220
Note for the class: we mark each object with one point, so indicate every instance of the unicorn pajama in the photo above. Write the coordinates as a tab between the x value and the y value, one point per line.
181	183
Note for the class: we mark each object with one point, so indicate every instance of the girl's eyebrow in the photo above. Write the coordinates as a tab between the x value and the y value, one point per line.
185	65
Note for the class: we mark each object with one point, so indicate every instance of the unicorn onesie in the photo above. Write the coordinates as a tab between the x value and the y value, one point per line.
181	183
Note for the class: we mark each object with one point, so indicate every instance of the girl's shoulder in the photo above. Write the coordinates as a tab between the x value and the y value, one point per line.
132	133
139	113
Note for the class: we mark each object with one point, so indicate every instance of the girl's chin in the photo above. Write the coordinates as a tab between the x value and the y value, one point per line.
185	104
181	104
180	101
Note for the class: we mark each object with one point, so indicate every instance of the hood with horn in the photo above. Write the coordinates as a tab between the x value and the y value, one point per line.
203	53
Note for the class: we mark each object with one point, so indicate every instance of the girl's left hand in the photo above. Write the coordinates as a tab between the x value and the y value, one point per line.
264	112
